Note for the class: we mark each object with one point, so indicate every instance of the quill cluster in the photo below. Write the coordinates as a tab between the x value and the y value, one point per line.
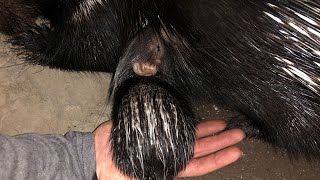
260	58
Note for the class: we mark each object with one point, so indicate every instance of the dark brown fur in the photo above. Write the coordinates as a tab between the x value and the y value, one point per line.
17	16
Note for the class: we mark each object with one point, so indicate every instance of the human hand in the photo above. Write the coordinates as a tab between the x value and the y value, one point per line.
203	162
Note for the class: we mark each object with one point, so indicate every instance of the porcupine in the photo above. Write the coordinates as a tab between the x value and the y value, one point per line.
260	58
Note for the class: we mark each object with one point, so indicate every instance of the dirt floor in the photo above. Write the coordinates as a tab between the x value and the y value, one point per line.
37	99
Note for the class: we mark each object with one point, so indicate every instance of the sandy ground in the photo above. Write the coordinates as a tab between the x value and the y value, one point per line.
38	99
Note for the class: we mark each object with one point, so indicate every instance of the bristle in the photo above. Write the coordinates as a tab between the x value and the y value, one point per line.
153	130
17	16
83	12
260	58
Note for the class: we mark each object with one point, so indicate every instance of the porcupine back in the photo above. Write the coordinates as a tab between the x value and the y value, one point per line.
79	35
262	58
259	58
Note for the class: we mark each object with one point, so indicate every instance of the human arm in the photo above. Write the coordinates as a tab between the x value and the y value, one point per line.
34	156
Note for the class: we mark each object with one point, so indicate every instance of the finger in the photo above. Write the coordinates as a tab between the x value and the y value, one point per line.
215	143
209	128
205	165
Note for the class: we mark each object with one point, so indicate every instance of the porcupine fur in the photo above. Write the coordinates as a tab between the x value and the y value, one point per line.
261	58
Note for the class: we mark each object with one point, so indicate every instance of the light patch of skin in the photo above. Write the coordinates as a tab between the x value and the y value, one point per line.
145	69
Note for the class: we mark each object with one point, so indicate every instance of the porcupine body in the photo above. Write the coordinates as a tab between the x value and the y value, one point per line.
261	58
